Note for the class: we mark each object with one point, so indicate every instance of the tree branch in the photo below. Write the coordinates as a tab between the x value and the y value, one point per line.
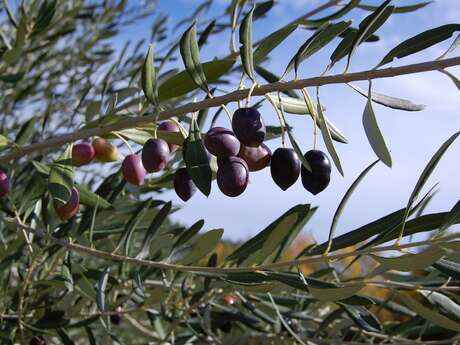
311	259
234	96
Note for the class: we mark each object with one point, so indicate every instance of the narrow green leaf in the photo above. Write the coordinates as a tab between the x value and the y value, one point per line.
327	138
338	14
206	33
4	142
257	242
335	294
60	180
273	78
190	53
362	317
153	229
189	233
100	295
196	160
91	199
344	201
148	78
203	246
321	38
398	9
420	42
445	303
426	173
409	262
453	215
246	52
298	150
451	48
449	268
270	42
298	106
389	101
182	83
429	314
369	25
373	133
26	131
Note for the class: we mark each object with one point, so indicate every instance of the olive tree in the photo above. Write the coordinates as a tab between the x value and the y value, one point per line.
89	252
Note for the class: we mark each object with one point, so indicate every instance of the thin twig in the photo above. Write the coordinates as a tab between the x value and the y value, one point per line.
234	96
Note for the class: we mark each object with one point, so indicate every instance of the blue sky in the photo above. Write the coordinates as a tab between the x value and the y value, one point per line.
412	137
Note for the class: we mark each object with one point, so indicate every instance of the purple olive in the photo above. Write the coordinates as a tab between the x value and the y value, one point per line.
233	176
82	154
183	184
155	155
221	142
69	209
248	126
257	158
4	184
318	179
169	126
285	167
133	170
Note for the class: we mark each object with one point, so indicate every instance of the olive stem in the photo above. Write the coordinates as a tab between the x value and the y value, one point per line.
234	96
182	268
124	141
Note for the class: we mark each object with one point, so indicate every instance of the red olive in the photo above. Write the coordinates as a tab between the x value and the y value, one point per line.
133	170
70	209
169	126
82	154
257	158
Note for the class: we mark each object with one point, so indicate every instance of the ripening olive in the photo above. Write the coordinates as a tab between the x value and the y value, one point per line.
37	341
285	167
169	126
183	184
82	154
318	179
133	170
117	316
257	158
221	142
233	176
69	209
155	155
248	126
105	151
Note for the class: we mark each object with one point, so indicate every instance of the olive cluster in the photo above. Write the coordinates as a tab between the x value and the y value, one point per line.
238	152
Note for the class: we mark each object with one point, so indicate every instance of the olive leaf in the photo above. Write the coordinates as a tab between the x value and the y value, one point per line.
270	42
246	52
190	53
60	180
398	9
148	78
100	296
196	160
374	136
420	42
389	101
426	173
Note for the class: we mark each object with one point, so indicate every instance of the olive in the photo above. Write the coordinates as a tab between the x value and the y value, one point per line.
69	209
133	170
155	155
221	142
169	126
37	340
117	316
257	158
105	150
248	126
285	167
318	179
183	184
233	176
4	184
82	154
